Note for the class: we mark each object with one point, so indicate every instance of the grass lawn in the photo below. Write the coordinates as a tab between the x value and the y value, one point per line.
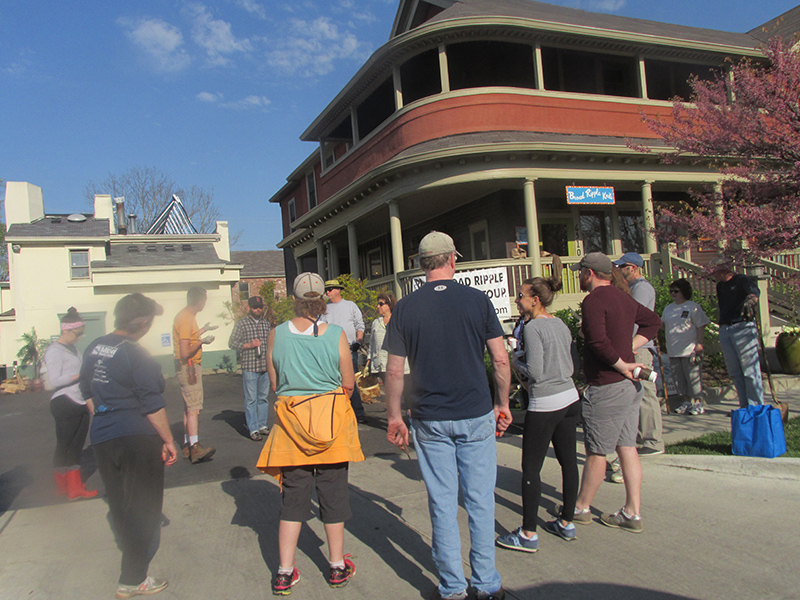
719	442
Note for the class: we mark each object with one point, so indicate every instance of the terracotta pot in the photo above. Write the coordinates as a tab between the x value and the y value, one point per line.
787	347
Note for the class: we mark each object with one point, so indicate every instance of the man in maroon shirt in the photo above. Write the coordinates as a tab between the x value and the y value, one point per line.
611	402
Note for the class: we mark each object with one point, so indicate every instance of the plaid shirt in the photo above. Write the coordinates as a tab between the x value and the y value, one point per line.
246	330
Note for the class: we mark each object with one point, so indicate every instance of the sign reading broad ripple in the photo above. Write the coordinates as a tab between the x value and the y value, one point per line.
492	282
590	195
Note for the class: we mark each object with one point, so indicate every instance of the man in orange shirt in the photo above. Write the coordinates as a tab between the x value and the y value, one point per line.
188	341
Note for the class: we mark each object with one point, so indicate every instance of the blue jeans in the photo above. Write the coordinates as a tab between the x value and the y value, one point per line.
740	348
451	453
256	405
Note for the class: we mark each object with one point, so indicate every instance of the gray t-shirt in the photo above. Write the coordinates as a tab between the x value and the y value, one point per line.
644	293
346	315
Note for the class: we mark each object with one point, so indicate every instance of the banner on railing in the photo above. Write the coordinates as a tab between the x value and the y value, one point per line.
492	282
590	195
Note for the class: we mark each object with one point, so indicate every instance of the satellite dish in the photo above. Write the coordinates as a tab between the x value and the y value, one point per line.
76	218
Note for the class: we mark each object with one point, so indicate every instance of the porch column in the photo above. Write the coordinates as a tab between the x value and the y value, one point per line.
719	213
616	236
650	244
396	233
321	259
298	263
333	261
352	246
532	225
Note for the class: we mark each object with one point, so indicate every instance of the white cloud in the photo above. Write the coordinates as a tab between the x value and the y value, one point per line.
253	8
161	42
208	97
215	36
247	103
312	47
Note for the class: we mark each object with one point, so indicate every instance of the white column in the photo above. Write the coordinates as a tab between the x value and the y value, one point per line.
719	212
642	78
539	66
532	224
616	236
298	263
444	73
352	246
396	234
321	259
398	89
650	244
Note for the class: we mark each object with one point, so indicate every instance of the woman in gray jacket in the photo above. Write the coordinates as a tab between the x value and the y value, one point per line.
553	410
68	406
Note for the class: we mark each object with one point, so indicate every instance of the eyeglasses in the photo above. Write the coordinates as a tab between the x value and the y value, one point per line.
520	296
674	291
382	303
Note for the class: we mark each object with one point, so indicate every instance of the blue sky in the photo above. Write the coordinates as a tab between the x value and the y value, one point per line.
215	94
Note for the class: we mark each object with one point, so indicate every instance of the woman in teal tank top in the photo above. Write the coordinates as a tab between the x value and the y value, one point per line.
315	436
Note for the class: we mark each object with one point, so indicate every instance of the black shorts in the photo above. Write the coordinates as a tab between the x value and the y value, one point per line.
332	492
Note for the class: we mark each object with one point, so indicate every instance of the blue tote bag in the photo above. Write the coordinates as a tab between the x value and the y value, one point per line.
757	431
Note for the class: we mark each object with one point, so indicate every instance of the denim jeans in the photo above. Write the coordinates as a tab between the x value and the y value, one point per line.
256	406
740	348
452	454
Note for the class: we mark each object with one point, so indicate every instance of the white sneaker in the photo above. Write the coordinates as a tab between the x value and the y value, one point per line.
697	409
148	587
683	408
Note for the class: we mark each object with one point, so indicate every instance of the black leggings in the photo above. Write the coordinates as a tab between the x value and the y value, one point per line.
133	473
540	428
72	425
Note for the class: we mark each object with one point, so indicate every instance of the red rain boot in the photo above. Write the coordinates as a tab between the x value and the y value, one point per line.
61	483
75	489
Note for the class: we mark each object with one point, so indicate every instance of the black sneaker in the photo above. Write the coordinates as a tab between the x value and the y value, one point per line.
340	576
282	586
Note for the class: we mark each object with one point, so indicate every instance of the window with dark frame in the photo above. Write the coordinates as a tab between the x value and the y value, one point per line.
311	186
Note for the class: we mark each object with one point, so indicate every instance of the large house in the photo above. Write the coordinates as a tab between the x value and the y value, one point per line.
514	126
90	261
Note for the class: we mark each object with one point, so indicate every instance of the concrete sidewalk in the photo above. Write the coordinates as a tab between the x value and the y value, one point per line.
715	528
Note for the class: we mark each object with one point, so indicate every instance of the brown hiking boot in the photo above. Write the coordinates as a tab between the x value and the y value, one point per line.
198	453
185	451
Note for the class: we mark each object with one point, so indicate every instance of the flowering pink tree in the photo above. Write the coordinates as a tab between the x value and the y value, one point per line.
746	122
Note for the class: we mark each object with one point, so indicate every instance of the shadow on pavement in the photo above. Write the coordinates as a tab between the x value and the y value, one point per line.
11	484
592	591
234	418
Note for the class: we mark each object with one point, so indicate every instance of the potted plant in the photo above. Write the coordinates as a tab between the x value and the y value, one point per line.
787	347
30	355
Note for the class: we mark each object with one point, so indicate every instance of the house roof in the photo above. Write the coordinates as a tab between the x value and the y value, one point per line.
140	254
260	263
542	11
172	220
786	26
58	226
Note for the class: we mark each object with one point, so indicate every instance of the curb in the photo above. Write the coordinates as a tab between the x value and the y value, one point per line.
745	466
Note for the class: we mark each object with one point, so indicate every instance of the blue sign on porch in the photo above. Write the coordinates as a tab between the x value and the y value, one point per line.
590	195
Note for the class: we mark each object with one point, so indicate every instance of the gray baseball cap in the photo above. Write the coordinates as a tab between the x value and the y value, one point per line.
436	243
596	261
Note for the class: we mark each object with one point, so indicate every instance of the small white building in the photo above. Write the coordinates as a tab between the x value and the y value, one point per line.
90	261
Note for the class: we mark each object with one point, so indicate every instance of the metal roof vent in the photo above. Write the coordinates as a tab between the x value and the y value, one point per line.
186	247
169	248
76	218
133	248
151	248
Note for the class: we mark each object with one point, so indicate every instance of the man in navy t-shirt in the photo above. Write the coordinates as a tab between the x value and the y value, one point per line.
443	329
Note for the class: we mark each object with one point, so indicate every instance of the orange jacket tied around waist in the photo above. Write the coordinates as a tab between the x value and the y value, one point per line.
320	429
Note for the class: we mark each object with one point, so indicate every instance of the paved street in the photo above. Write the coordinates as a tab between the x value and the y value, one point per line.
715	527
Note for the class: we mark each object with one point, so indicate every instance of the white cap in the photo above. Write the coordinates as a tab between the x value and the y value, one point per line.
308	286
436	243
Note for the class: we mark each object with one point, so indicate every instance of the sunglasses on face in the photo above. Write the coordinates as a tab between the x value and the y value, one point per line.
674	291
381	303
